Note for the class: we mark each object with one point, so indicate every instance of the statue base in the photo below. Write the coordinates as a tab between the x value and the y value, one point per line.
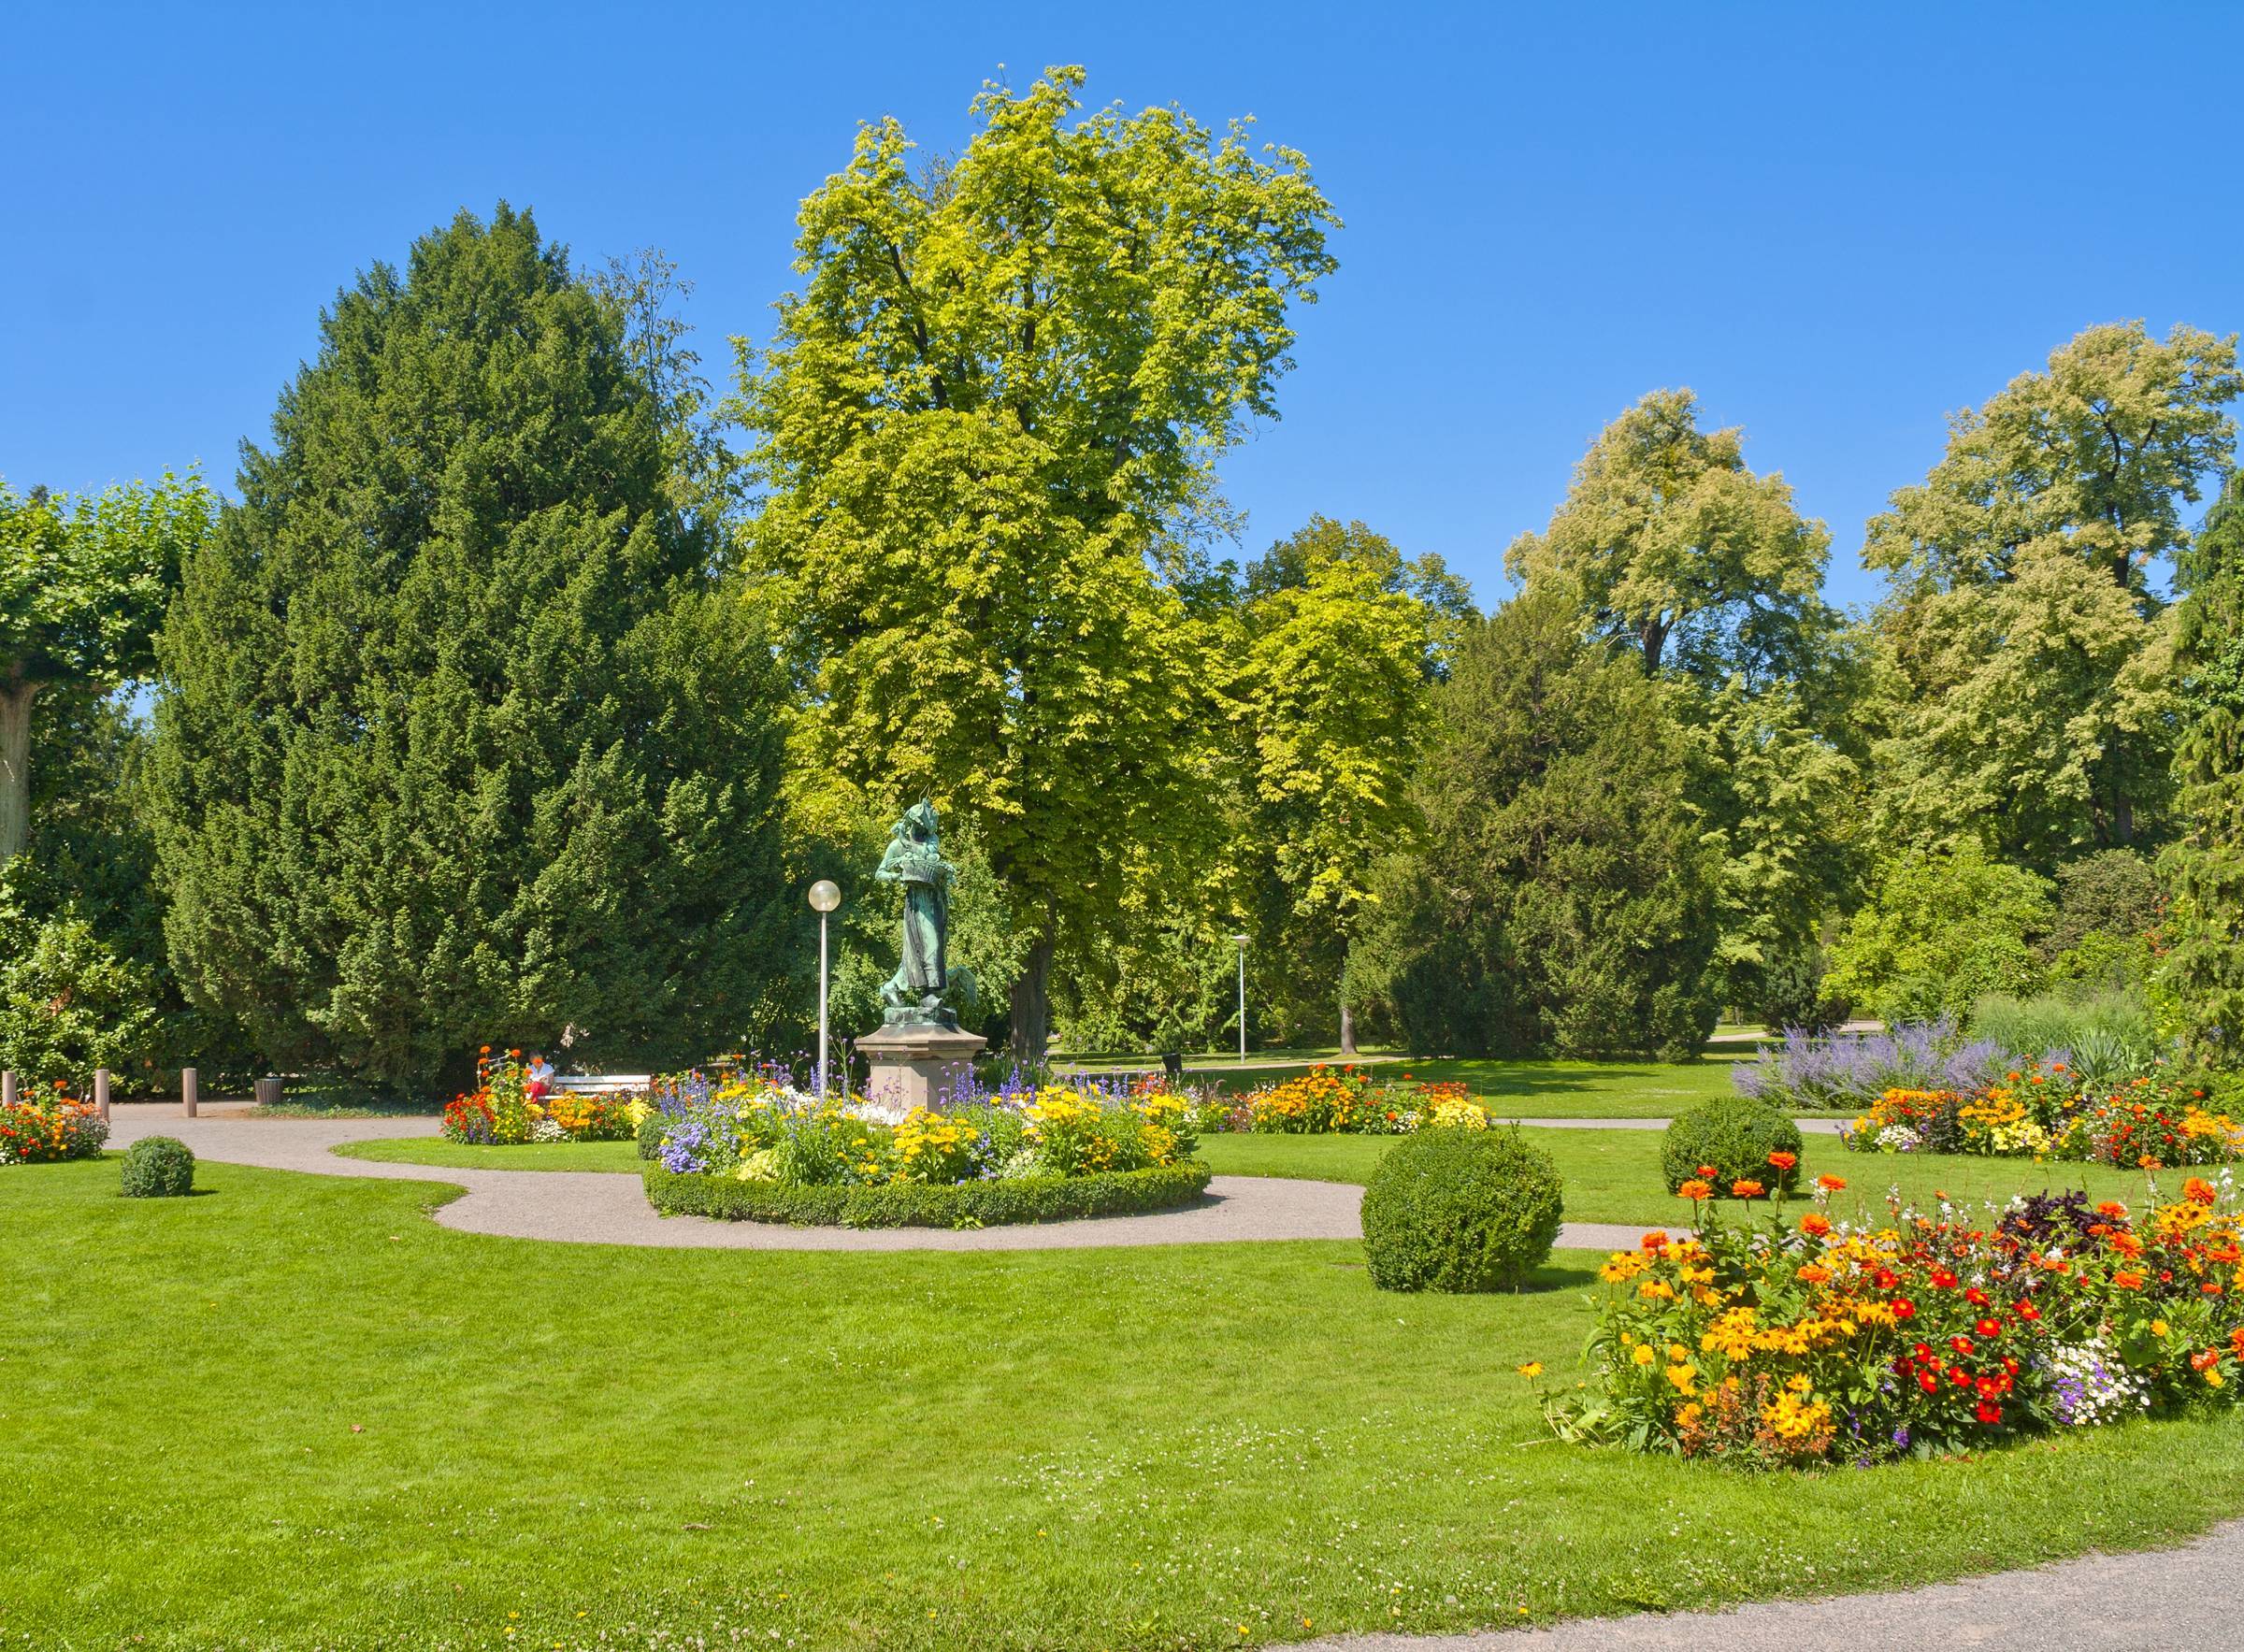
914	1064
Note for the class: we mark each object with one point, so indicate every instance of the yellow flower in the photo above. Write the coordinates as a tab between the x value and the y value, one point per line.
1644	1355
1531	1369
1682	1375
2158	1327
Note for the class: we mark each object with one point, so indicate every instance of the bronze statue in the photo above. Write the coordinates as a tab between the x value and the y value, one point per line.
915	859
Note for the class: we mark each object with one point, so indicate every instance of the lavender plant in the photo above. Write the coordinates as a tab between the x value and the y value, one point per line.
1849	1071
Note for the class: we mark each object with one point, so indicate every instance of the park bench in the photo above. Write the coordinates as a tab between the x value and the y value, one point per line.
602	1084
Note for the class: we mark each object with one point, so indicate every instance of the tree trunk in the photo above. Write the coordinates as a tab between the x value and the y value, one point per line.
1347	1027
15	767
1033	1006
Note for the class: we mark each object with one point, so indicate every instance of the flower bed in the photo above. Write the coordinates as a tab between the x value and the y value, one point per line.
1350	1100
2037	1113
503	1111
47	1125
922	1204
1785	1343
744	1144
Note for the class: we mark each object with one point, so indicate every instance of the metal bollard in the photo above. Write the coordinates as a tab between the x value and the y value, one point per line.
101	1091
188	1091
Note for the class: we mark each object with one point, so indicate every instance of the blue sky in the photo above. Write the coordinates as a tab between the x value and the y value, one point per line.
1836	224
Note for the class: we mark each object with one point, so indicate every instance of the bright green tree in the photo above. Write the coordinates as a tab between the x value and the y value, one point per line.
1337	648
82	584
2204	966
1939	931
1565	900
456	741
987	431
2036	706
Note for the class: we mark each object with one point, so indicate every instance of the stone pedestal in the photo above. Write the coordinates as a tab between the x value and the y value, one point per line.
913	1065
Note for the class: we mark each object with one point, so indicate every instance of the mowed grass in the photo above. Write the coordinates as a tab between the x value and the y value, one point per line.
1614	1175
526	1155
293	1412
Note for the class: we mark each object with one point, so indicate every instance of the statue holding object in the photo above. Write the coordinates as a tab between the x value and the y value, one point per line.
914	994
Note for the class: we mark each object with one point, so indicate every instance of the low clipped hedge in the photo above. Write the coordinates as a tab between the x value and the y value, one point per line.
1460	1210
1735	1135
157	1167
917	1204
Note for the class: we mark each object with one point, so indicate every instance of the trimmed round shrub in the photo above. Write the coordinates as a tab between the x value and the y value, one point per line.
649	1134
158	1167
1735	1134
1457	1210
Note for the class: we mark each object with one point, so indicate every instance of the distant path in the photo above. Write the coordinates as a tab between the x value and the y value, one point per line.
603	1207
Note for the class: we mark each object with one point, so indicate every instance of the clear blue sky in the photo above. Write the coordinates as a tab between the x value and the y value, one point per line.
1836	224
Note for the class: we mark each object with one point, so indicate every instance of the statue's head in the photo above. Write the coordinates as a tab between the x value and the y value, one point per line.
920	817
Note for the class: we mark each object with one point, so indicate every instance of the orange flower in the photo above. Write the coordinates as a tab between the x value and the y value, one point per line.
1655	1240
2197	1191
1746	1188
1694	1188
1815	1274
1814	1224
2112	1208
1831	1183
1784	1161
2147	1163
2126	1280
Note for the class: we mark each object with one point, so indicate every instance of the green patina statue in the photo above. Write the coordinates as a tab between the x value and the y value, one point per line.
915	859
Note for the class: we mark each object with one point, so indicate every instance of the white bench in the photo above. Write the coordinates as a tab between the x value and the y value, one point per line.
602	1084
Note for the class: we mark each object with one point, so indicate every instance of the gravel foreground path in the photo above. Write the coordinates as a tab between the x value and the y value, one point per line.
2159	1598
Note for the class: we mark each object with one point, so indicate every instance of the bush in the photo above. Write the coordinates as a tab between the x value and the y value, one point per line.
1460	1210
158	1167
1737	1136
1938	932
47	1125
922	1204
649	1134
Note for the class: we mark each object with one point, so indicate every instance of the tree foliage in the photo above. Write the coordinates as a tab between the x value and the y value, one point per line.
1939	931
2025	621
2204	968
1565	899
985	430
455	739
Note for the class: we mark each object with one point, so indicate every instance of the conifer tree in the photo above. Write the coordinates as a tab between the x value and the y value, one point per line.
457	740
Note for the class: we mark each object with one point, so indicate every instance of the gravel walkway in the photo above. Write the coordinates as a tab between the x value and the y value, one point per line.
2162	1598
603	1207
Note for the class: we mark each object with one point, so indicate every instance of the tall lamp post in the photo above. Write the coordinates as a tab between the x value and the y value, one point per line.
823	898
1242	939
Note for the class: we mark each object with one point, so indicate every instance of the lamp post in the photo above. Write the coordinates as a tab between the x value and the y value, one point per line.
1242	939
823	898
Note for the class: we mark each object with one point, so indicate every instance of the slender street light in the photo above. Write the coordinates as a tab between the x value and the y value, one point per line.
823	898
1242	939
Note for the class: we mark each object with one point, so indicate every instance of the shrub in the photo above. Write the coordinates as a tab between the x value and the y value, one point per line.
649	1134
1938	932
1460	1210
158	1167
1735	1135
922	1204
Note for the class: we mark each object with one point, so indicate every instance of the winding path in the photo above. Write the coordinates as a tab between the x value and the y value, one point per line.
606	1207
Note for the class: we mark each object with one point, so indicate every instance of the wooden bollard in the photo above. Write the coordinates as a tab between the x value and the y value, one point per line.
7	1088
101	1091
188	1089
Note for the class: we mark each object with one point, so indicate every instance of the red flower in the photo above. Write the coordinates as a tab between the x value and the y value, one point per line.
1989	1412
1962	1346
1944	1279
1976	1296
1887	1279
1989	1329
1903	1308
2028	1312
1928	1382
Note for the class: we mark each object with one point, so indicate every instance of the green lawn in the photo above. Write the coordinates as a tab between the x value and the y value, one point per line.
293	1412
529	1156
1614	1175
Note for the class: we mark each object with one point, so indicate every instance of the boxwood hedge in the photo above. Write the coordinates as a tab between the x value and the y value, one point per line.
914	1204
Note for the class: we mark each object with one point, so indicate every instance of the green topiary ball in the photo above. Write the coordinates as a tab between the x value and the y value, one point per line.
1457	1210
649	1134
158	1167
1735	1135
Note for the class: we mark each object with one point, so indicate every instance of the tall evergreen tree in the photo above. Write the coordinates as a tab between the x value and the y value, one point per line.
2204	968
457	741
1565	900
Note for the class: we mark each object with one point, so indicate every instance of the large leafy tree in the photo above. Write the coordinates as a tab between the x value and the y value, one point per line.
986	432
2204	966
2033	648
82	585
1339	637
456	741
1565	899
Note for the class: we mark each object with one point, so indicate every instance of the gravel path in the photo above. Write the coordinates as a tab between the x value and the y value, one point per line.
2162	1598
603	1207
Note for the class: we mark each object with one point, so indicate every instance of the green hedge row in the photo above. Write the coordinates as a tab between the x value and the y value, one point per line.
914	1204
